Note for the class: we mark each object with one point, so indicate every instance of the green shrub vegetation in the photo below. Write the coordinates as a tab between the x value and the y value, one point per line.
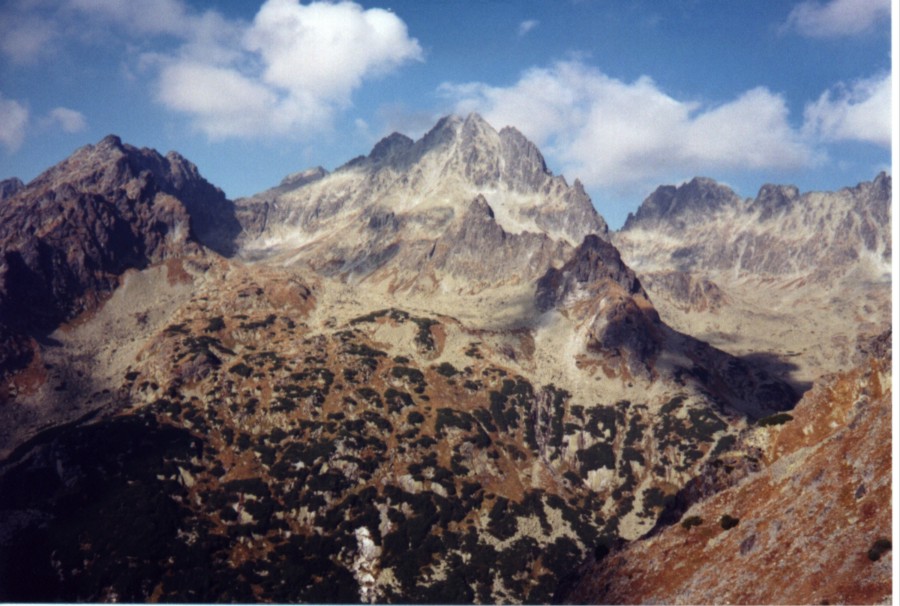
241	369
447	369
727	522
777	419
879	547
215	324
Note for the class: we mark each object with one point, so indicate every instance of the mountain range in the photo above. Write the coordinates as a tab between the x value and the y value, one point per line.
431	375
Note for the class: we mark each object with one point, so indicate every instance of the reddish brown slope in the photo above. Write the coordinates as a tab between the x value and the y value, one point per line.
807	522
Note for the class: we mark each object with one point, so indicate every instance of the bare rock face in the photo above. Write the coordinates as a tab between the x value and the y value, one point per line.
779	233
622	327
476	250
686	291
114	170
427	187
780	273
8	187
676	207
596	282
67	236
594	261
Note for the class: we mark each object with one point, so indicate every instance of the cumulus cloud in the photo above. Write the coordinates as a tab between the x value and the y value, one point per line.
294	67
222	101
858	112
69	120
287	72
837	18
527	25
619	134
326	49
13	122
15	118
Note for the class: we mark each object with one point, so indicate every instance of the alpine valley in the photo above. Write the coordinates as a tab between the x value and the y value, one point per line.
435	375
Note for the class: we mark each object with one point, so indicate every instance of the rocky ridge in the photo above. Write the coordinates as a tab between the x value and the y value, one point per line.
10	186
778	274
69	234
398	204
69	242
818	235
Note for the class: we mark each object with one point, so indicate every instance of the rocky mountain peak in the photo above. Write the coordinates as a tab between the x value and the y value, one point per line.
883	184
675	205
443	132
773	198
9	187
595	260
468	147
303	177
391	147
114	170
425	183
124	208
480	208
108	144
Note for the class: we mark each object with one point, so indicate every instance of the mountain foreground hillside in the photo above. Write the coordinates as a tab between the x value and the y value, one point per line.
820	503
428	376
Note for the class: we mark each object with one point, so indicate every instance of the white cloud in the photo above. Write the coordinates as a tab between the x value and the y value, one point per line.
223	102
611	133
837	18
285	73
69	120
327	49
295	66
13	122
527	25
27	31
860	112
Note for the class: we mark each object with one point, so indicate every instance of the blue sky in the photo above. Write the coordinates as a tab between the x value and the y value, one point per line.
622	95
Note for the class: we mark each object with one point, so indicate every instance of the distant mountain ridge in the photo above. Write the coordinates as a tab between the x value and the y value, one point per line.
779	232
713	261
676	205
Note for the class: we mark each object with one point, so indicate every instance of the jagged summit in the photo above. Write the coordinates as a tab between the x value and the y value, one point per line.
712	228
762	260
390	147
8	187
426	186
593	261
110	165
676	205
123	207
469	148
